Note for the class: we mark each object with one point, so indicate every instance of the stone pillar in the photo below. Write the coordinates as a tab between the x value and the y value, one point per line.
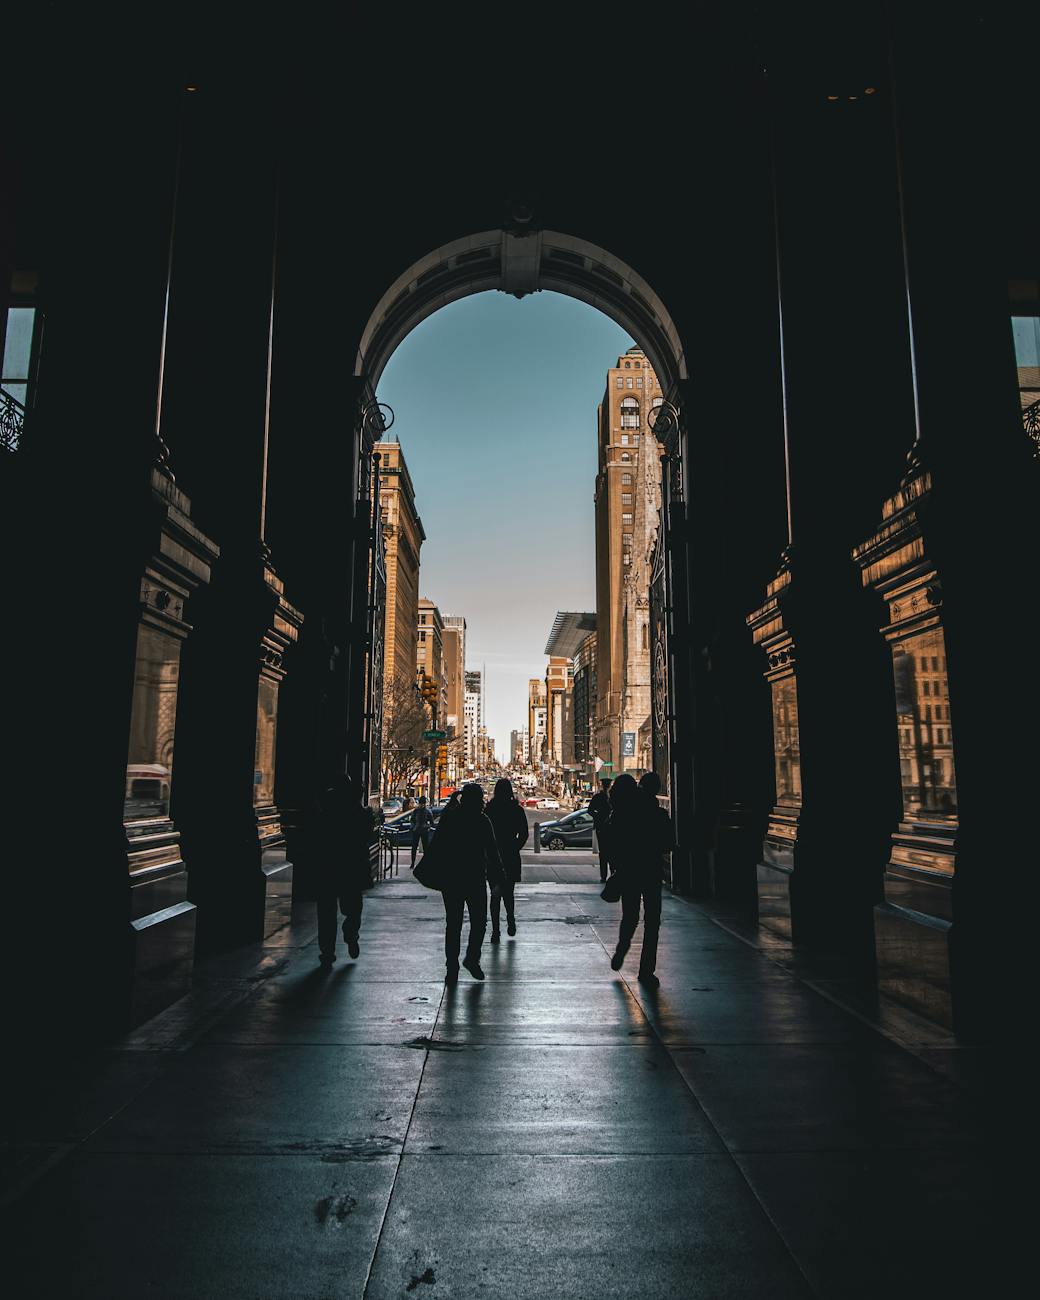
219	375
847	406
105	576
953	551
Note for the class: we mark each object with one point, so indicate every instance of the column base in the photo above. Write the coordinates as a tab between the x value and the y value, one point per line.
774	898
279	897
162	943
914	964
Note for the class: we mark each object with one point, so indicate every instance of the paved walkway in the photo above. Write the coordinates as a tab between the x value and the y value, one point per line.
556	1131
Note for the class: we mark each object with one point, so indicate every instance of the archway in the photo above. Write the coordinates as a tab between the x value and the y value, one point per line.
520	262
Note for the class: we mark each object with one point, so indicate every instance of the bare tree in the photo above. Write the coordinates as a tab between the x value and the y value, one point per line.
405	754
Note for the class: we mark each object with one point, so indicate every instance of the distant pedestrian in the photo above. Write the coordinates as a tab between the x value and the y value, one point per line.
422	827
599	809
509	822
466	845
345	832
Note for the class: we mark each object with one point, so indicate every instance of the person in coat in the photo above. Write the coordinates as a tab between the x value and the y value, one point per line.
509	822
638	836
599	810
422	827
466	845
345	831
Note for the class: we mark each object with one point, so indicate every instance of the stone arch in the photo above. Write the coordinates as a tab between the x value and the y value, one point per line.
523	263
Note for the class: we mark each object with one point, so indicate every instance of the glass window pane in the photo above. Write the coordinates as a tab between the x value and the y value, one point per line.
925	752
149	762
18	343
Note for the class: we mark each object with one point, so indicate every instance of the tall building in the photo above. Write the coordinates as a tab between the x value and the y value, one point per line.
628	504
404	536
454	639
429	653
474	716
536	721
569	632
585	692
519	745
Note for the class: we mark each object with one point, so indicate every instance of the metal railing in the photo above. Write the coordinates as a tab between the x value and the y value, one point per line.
12	421
388	864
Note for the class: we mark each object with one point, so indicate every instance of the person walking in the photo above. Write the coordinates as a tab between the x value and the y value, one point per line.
345	830
599	810
638	834
422	827
466	845
509	822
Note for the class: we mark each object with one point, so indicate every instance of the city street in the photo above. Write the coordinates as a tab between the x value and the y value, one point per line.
555	1130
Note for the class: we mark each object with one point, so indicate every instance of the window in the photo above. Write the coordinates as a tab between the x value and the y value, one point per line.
625	456
422	636
18	352
626	498
638	364
629	413
927	687
639	381
627	364
626	539
646	636
626	518
620	381
627	558
625	440
626	479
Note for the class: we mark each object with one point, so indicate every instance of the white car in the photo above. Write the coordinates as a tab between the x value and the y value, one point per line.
548	803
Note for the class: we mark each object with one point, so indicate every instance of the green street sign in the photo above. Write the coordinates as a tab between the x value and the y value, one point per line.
435	735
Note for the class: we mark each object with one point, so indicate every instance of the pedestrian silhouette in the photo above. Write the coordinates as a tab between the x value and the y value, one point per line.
345	832
509	822
466	845
422	827
599	810
639	834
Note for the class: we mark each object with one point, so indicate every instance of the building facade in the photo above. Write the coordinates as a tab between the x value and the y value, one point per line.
429	654
454	638
473	716
628	505
403	532
584	708
536	721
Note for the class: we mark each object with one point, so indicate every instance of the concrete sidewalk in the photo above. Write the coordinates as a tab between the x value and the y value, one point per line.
554	1131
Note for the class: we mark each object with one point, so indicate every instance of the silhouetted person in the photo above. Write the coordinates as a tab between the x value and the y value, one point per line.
466	845
509	822
635	837
599	810
657	844
422	827
345	830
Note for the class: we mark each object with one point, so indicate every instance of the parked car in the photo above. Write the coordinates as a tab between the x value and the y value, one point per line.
548	803
571	832
391	807
532	802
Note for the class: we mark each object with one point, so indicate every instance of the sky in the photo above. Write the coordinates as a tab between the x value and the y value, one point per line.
495	402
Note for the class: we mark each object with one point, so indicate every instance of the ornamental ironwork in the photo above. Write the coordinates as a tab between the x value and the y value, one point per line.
12	421
1031	424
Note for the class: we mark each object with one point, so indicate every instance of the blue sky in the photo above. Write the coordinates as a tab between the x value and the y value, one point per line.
495	403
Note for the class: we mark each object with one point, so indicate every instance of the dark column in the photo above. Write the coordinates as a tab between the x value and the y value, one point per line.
736	510
219	376
955	548
848	409
103	574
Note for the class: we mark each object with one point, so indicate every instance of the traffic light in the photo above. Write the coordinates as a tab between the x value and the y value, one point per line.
442	762
429	691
